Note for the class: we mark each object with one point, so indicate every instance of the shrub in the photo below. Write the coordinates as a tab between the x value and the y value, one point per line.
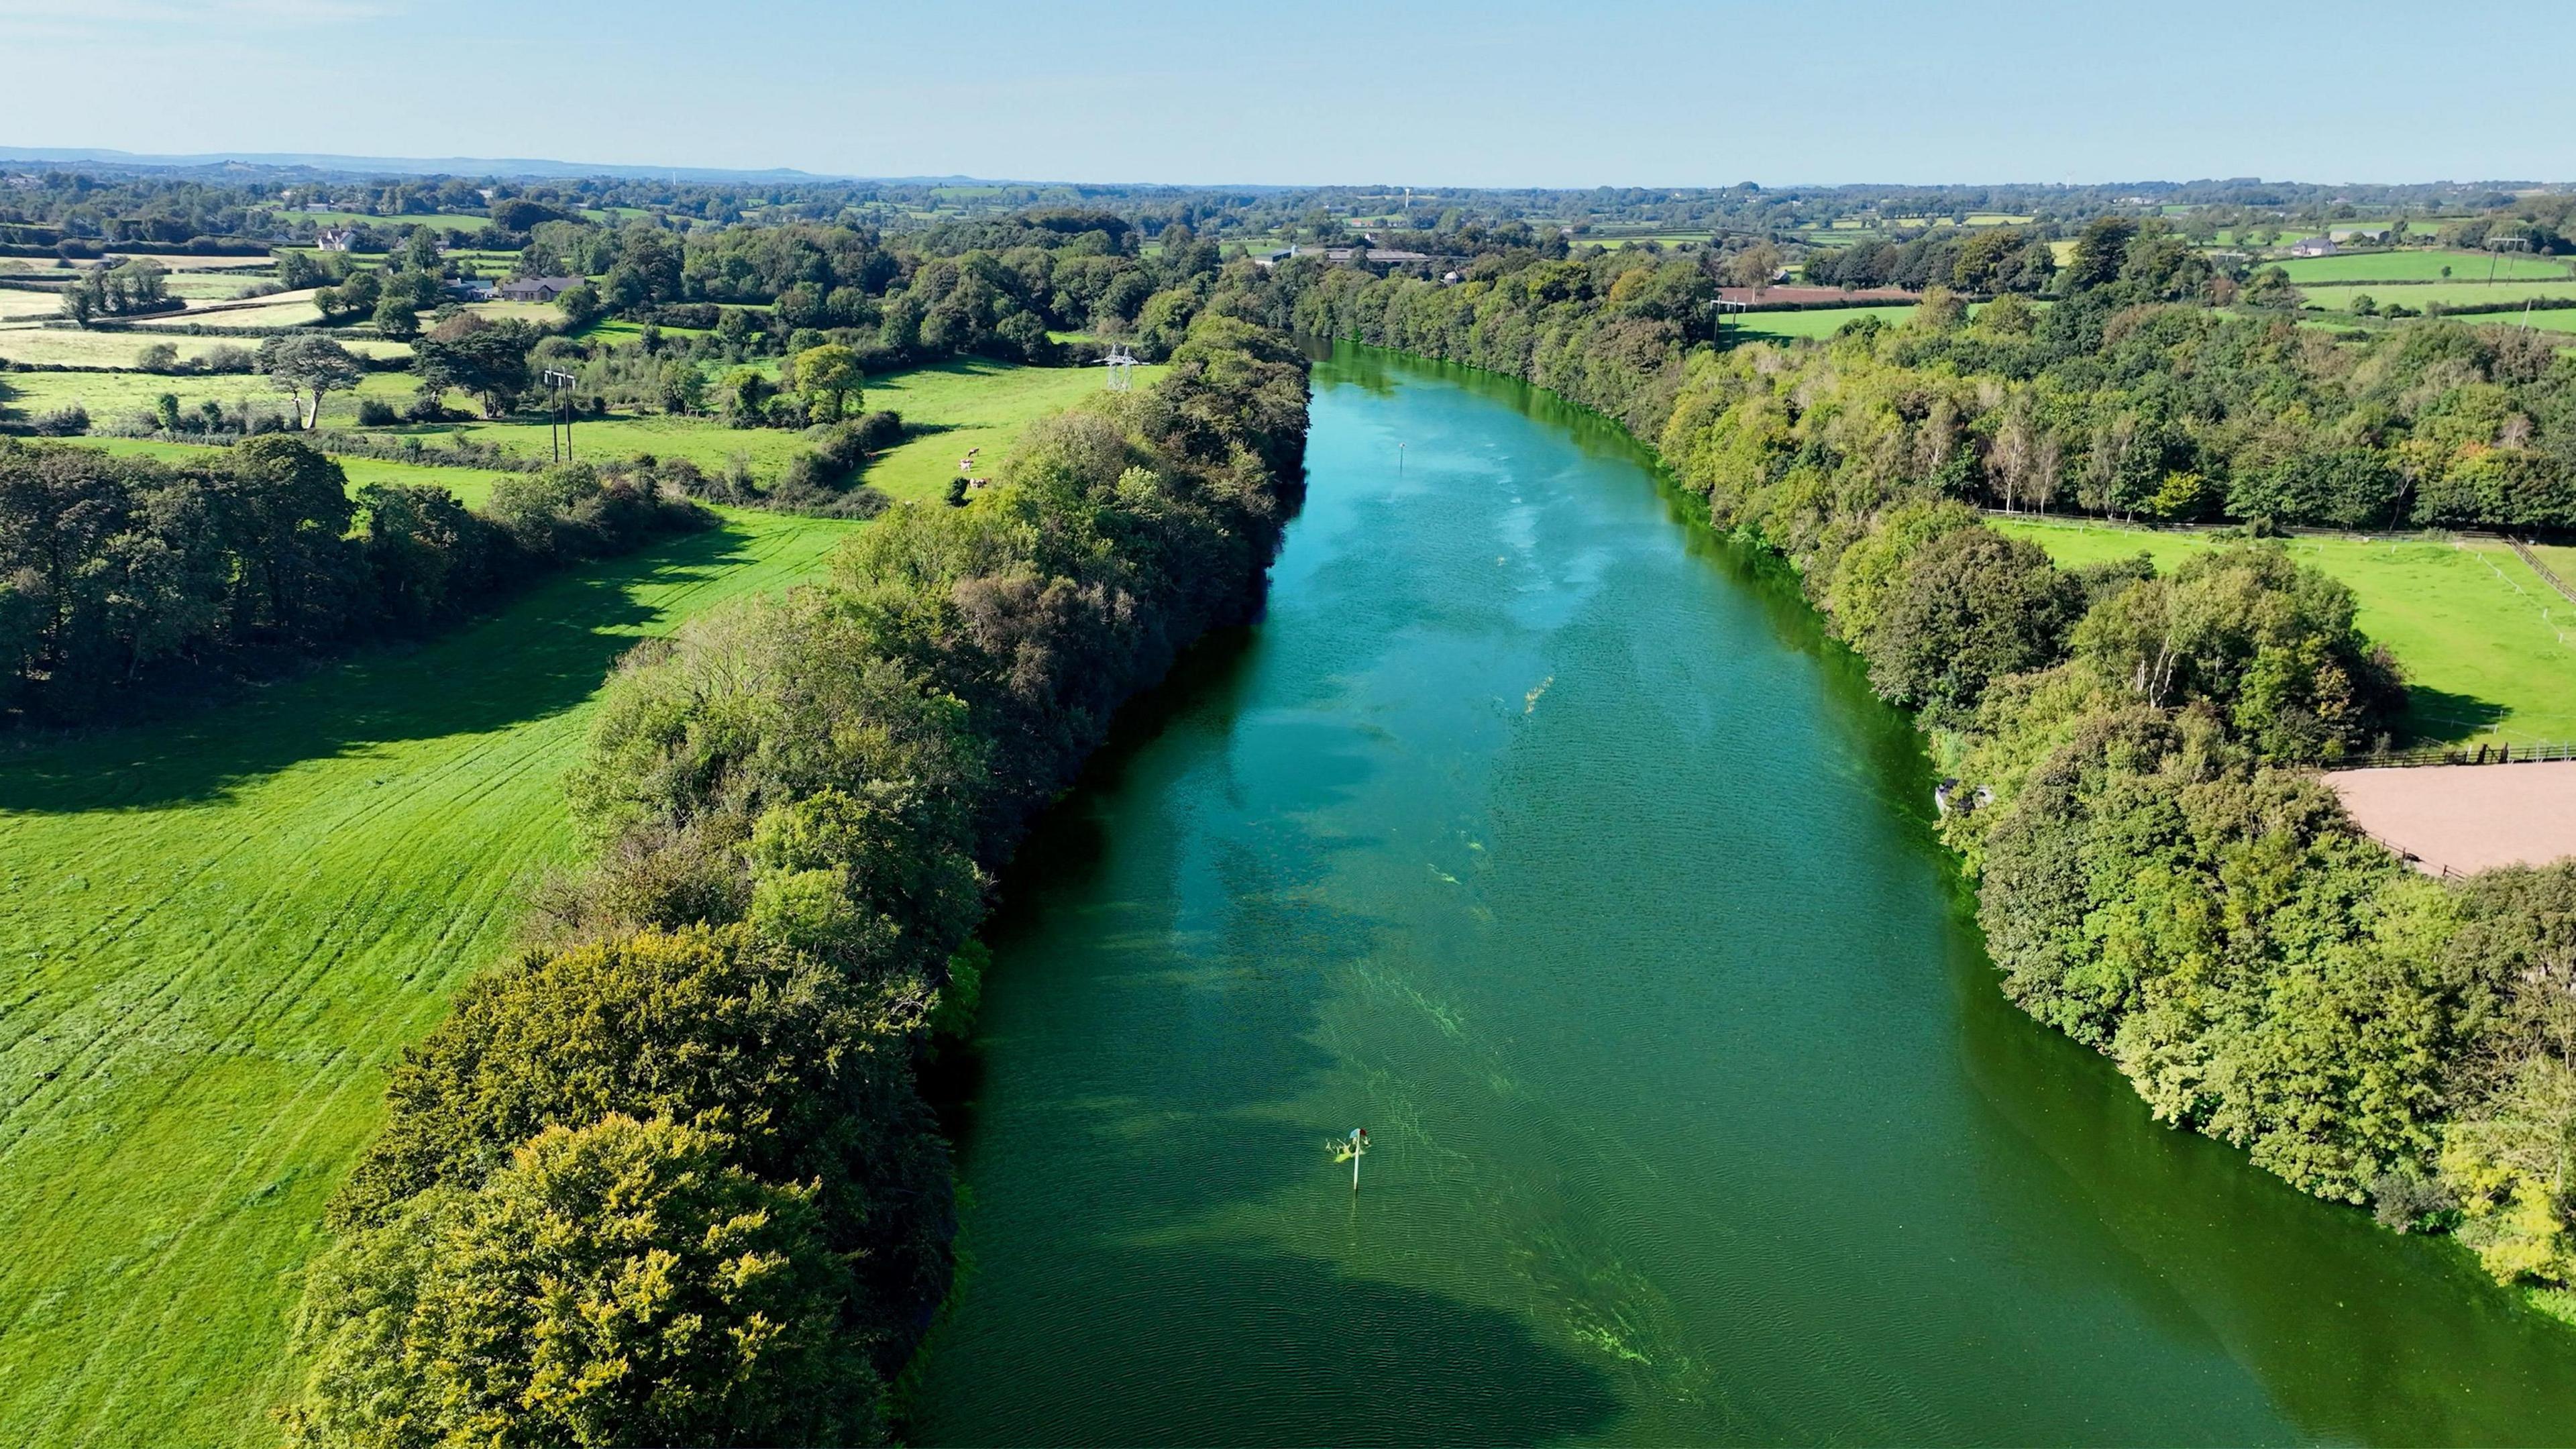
63	422
615	1283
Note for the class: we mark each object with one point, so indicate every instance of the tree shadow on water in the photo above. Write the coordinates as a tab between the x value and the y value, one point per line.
1192	1346
537	654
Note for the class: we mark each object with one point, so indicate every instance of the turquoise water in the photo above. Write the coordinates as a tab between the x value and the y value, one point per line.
1543	835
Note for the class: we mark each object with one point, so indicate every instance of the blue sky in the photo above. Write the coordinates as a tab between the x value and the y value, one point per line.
1489	94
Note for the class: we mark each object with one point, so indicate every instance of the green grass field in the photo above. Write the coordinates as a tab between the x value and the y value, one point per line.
617	331
2489	649
2338	297
470	485
961	405
43	347
970	405
220	931
210	286
462	224
285	309
111	396
2422	266
1821	322
19	303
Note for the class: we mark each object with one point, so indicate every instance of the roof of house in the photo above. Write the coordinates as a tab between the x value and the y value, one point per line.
539	286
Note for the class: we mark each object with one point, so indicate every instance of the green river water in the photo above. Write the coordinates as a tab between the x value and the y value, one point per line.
1543	834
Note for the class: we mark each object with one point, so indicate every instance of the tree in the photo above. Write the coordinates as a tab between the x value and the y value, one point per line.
680	386
2271	287
579	304
2511	1160
1754	266
616	1283
746	394
2268	641
1974	606
356	297
421	251
486	360
285	515
397	317
306	366
829	376
2100	251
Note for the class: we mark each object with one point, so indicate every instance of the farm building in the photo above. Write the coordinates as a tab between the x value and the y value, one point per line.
2314	246
537	289
337	239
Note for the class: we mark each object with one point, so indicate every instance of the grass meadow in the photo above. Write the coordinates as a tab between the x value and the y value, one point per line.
1820	322
2338	297
954	405
284	309
45	347
462	224
17	304
2423	266
221	929
470	485
111	396
2489	649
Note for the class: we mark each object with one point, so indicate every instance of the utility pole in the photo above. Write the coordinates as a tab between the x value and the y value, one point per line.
559	386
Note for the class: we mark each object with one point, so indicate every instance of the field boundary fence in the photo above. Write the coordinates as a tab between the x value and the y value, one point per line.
2548	575
2486	754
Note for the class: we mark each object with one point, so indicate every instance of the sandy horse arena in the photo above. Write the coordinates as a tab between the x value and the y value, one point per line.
2455	819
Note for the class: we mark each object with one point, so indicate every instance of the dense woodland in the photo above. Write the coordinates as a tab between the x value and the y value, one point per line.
123	576
2160	873
668	1178
2126	395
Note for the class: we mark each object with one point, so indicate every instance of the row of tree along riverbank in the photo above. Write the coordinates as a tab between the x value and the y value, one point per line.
668	1177
2160	872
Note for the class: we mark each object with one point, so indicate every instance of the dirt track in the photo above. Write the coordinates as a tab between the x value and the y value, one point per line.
2456	819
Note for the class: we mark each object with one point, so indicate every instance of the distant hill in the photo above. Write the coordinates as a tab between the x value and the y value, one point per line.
509	167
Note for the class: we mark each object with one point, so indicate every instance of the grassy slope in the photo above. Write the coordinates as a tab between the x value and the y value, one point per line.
970	405
218	931
2488	648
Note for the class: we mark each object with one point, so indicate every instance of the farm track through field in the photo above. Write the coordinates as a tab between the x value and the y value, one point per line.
218	932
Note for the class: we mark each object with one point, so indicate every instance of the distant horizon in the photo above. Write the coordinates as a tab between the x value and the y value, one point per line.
548	168
1493	95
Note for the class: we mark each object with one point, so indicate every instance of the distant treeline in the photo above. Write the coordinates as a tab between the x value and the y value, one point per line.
2160	872
2127	396
120	576
88	203
668	1178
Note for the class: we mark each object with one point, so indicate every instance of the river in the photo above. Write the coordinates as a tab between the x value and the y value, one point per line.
1543	834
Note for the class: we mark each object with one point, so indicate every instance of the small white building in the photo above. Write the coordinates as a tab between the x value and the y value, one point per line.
2314	246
